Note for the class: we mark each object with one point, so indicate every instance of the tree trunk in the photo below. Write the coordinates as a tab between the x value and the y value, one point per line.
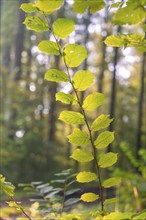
140	107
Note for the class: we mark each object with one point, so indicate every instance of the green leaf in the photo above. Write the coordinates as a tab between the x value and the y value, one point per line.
89	197
140	216
118	216
63	27
80	6
16	205
127	40
82	156
78	137
35	23
114	181
108	160
74	54
49	47
103	121
104	139
7	187
71	117
110	201
93	101
133	14
48	6
82	79
115	5
86	177
114	41
65	98
56	76
28	7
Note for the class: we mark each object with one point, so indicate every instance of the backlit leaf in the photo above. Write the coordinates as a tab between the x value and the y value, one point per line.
7	187
80	6
86	177
118	216
78	137
130	15
71	117
108	159
36	23
28	7
82	79
63	27
49	47
114	181
56	76
93	101
140	216
103	121
65	98
89	197
49	6
74	54
82	156
104	139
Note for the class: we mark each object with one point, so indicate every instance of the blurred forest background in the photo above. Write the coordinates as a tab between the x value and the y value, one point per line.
33	141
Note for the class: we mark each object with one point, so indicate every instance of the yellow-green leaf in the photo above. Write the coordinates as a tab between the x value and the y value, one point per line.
103	121
74	54
93	101
108	159
65	98
86	177
114	41
78	137
82	79
63	27
82	156
7	187
56	76
72	117
28	7
114	181
49	47
89	197
48	6
118	216
104	139
36	23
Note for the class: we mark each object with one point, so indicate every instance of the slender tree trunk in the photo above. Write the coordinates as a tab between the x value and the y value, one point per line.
113	88
140	107
19	45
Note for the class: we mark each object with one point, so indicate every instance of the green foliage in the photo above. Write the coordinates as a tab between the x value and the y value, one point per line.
108	160
36	23
82	79
80	6
135	13
71	117
89	197
82	156
86	177
64	98
74	54
104	139
103	121
28	7
62	27
93	101
111	182
48	6
55	75
49	47
127	40
7	187
79	137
